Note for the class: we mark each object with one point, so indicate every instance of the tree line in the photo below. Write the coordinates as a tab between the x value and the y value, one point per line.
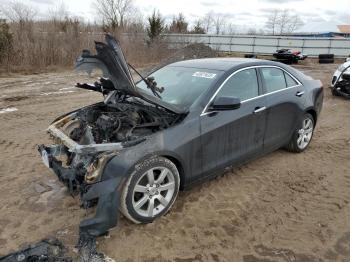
30	41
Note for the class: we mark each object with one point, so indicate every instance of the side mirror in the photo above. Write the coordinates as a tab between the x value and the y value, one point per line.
225	103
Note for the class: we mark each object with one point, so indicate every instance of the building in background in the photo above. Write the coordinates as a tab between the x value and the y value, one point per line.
323	29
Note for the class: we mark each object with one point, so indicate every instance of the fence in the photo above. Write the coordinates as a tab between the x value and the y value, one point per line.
264	44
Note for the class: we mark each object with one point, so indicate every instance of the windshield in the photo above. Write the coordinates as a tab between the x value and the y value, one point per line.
182	85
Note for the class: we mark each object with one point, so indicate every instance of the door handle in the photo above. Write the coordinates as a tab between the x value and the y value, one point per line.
300	93
259	109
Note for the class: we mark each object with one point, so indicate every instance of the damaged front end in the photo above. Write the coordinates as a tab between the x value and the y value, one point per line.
342	87
87	139
341	83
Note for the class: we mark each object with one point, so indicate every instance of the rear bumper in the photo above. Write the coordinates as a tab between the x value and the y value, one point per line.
105	193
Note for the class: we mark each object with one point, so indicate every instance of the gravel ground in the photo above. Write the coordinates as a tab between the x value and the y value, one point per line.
281	207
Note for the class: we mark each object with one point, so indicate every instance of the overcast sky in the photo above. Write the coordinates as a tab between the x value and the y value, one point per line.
243	13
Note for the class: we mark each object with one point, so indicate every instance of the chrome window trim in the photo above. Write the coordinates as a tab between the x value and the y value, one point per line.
204	112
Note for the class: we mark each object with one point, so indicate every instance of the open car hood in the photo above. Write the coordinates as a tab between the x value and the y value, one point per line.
110	59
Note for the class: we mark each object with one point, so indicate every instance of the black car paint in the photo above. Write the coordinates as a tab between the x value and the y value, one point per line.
204	143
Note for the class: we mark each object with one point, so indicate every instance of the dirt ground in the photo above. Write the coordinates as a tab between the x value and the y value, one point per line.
282	207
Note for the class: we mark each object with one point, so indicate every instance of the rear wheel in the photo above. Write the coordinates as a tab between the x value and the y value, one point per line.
302	136
150	191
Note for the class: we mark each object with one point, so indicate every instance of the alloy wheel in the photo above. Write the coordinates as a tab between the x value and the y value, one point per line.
153	191
305	133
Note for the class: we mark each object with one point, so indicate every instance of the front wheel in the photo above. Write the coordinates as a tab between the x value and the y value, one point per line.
302	136
150	190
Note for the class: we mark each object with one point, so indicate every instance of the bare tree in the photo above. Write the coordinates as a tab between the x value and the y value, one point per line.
59	12
295	22
252	31
18	12
230	29
114	12
198	28
208	21
272	20
283	21
179	24
220	22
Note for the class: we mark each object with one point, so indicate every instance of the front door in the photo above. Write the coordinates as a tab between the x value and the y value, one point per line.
229	137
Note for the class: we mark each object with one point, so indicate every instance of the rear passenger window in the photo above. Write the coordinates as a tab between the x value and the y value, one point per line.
290	81
273	78
243	85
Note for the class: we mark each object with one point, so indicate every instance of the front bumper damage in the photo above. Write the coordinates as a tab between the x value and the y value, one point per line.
104	194
342	89
341	83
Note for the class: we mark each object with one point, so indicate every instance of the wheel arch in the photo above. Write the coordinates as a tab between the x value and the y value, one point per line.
312	112
179	167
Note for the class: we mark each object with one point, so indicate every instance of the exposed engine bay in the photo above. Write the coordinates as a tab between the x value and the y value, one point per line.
122	122
87	138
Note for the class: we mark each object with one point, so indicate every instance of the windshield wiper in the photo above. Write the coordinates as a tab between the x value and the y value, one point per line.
150	83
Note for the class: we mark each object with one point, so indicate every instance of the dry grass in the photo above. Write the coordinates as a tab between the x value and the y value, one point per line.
51	45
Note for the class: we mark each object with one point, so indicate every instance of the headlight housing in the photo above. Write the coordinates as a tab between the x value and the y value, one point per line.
95	169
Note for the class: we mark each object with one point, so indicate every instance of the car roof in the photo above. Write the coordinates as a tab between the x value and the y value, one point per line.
223	64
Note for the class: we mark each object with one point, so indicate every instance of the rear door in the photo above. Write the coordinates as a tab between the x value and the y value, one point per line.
284	99
228	137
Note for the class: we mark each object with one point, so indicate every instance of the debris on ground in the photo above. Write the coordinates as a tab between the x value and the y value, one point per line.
47	250
52	250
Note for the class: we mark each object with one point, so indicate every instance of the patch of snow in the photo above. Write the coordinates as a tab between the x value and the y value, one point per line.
66	88
57	93
108	259
7	110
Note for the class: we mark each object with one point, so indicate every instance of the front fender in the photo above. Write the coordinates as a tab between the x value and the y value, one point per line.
123	163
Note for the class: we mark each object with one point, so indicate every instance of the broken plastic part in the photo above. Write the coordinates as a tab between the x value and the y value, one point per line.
47	250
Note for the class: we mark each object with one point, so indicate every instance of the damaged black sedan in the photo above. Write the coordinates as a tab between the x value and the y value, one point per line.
182	124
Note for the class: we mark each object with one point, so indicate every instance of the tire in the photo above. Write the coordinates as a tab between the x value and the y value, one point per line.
326	61
140	192
295	61
325	56
250	56
295	144
334	92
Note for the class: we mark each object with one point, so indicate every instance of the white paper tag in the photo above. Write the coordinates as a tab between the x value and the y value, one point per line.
204	75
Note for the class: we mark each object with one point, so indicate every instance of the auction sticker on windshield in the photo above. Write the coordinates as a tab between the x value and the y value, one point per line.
204	75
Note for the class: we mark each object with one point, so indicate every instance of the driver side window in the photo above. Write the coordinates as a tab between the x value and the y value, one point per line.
243	85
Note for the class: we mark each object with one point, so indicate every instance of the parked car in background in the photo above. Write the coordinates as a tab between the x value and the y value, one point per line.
289	55
340	84
181	125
